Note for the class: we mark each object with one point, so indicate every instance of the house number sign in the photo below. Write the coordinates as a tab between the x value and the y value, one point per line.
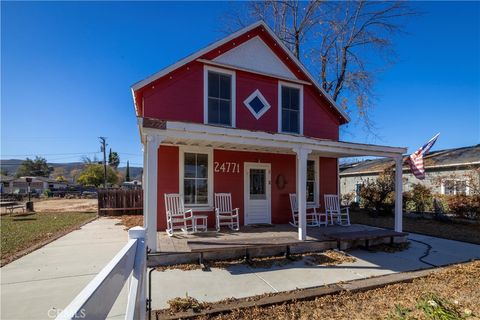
227	167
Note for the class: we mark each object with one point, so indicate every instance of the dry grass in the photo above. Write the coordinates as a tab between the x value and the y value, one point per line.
66	205
129	221
452	293
21	233
327	258
443	229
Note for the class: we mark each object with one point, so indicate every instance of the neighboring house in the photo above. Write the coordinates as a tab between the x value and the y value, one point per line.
451	171
38	185
134	184
242	116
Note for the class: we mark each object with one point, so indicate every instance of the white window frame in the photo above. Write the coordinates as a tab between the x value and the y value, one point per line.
316	191
232	73
258	94
291	85
442	186
209	153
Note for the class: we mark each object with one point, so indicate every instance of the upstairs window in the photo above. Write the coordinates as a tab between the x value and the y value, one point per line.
220	97
291	109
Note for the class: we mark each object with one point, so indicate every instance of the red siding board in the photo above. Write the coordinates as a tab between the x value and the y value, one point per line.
167	180
328	178
281	164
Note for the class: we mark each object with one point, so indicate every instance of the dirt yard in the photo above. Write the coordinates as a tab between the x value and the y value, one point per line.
451	293
66	205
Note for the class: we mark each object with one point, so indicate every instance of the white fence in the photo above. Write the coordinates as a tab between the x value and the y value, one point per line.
96	300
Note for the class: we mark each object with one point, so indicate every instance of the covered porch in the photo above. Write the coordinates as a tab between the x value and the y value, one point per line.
156	133
257	241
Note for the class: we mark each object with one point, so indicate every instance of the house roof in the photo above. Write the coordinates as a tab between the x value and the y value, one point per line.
137	87
463	156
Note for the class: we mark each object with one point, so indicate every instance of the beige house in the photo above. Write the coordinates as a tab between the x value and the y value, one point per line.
451	171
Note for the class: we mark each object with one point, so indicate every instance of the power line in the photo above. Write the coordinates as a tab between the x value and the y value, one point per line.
47	154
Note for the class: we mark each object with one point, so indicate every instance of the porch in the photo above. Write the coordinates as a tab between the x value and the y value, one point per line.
258	241
284	159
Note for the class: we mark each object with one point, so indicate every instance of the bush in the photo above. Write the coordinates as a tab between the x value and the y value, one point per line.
378	195
465	206
421	197
47	193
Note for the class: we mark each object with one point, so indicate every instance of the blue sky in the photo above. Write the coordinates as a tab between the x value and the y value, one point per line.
67	69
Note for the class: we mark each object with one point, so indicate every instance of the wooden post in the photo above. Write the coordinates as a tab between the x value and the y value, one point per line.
152	142
302	155
398	194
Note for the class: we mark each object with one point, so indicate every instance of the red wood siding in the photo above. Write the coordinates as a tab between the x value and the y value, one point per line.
328	178
178	97
280	164
167	180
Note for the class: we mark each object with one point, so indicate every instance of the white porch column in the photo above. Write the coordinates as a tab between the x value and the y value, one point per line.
150	174
302	156
398	193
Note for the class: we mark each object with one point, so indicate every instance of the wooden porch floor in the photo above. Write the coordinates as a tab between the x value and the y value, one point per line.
273	234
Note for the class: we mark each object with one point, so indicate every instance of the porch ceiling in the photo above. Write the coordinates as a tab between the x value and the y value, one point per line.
180	133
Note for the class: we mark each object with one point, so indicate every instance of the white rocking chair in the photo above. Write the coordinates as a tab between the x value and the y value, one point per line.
333	209
224	214
177	217
313	217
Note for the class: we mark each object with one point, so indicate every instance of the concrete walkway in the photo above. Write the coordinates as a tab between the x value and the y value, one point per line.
242	281
39	284
45	281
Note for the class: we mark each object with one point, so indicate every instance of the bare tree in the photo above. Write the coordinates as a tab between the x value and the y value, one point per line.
345	43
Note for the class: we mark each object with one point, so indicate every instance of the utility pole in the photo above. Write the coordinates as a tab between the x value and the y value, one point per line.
103	148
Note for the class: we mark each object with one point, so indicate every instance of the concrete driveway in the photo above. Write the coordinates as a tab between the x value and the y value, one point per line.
43	282
243	281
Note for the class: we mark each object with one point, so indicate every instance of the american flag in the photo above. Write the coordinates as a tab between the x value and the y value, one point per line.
415	160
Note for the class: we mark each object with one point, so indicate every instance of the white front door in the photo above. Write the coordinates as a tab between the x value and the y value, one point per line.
257	193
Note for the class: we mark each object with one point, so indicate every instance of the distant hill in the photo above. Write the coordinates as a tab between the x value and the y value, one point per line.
11	167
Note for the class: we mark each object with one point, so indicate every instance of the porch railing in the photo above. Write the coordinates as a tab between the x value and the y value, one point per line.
96	300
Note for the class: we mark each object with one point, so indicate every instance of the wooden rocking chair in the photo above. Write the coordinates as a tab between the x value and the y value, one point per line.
333	209
313	217
177	217
224	213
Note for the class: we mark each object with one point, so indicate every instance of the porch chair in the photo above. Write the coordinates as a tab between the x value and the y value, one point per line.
224	214
177	217
313	217
333	209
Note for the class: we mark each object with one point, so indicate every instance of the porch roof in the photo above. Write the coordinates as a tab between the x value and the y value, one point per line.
182	133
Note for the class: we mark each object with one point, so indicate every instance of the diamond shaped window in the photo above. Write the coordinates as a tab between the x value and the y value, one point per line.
257	104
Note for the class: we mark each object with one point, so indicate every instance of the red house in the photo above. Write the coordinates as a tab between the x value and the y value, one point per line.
243	116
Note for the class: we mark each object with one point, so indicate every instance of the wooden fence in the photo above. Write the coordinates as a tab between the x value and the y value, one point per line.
119	201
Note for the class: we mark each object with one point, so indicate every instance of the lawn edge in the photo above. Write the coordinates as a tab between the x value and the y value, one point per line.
24	252
358	285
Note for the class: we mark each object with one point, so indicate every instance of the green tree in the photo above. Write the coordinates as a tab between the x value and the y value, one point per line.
113	159
127	172
37	167
93	175
3	172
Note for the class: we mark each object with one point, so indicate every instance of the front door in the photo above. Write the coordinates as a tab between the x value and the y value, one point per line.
257	193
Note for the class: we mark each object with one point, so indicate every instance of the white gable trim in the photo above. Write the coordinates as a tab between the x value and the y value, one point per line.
255	54
198	54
